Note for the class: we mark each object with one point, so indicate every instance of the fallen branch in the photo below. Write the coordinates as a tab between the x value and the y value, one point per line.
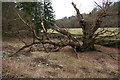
58	44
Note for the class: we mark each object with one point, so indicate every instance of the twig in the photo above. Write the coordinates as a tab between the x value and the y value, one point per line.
98	5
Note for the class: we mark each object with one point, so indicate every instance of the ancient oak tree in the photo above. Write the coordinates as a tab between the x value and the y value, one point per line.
89	29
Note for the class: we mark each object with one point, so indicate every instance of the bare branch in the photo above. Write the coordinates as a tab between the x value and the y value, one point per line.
100	33
79	16
62	31
78	12
21	39
100	15
98	5
110	35
32	29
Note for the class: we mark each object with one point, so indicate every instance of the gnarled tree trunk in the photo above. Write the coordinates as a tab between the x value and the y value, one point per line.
89	30
87	39
88	42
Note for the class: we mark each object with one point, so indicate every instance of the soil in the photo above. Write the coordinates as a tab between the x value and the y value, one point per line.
62	64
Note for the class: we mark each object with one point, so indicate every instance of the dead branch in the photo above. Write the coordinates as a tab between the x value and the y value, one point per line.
112	34
21	39
17	34
63	31
57	45
99	33
31	27
98	5
79	16
100	15
78	12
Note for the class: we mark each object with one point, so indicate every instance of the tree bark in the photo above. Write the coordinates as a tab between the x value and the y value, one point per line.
88	43
87	39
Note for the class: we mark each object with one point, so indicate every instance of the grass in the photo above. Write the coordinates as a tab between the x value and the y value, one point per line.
89	64
71	30
110	43
79	30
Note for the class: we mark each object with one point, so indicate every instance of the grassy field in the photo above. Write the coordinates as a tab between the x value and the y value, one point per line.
78	31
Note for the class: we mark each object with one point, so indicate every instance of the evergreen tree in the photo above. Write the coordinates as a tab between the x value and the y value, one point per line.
38	11
48	13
